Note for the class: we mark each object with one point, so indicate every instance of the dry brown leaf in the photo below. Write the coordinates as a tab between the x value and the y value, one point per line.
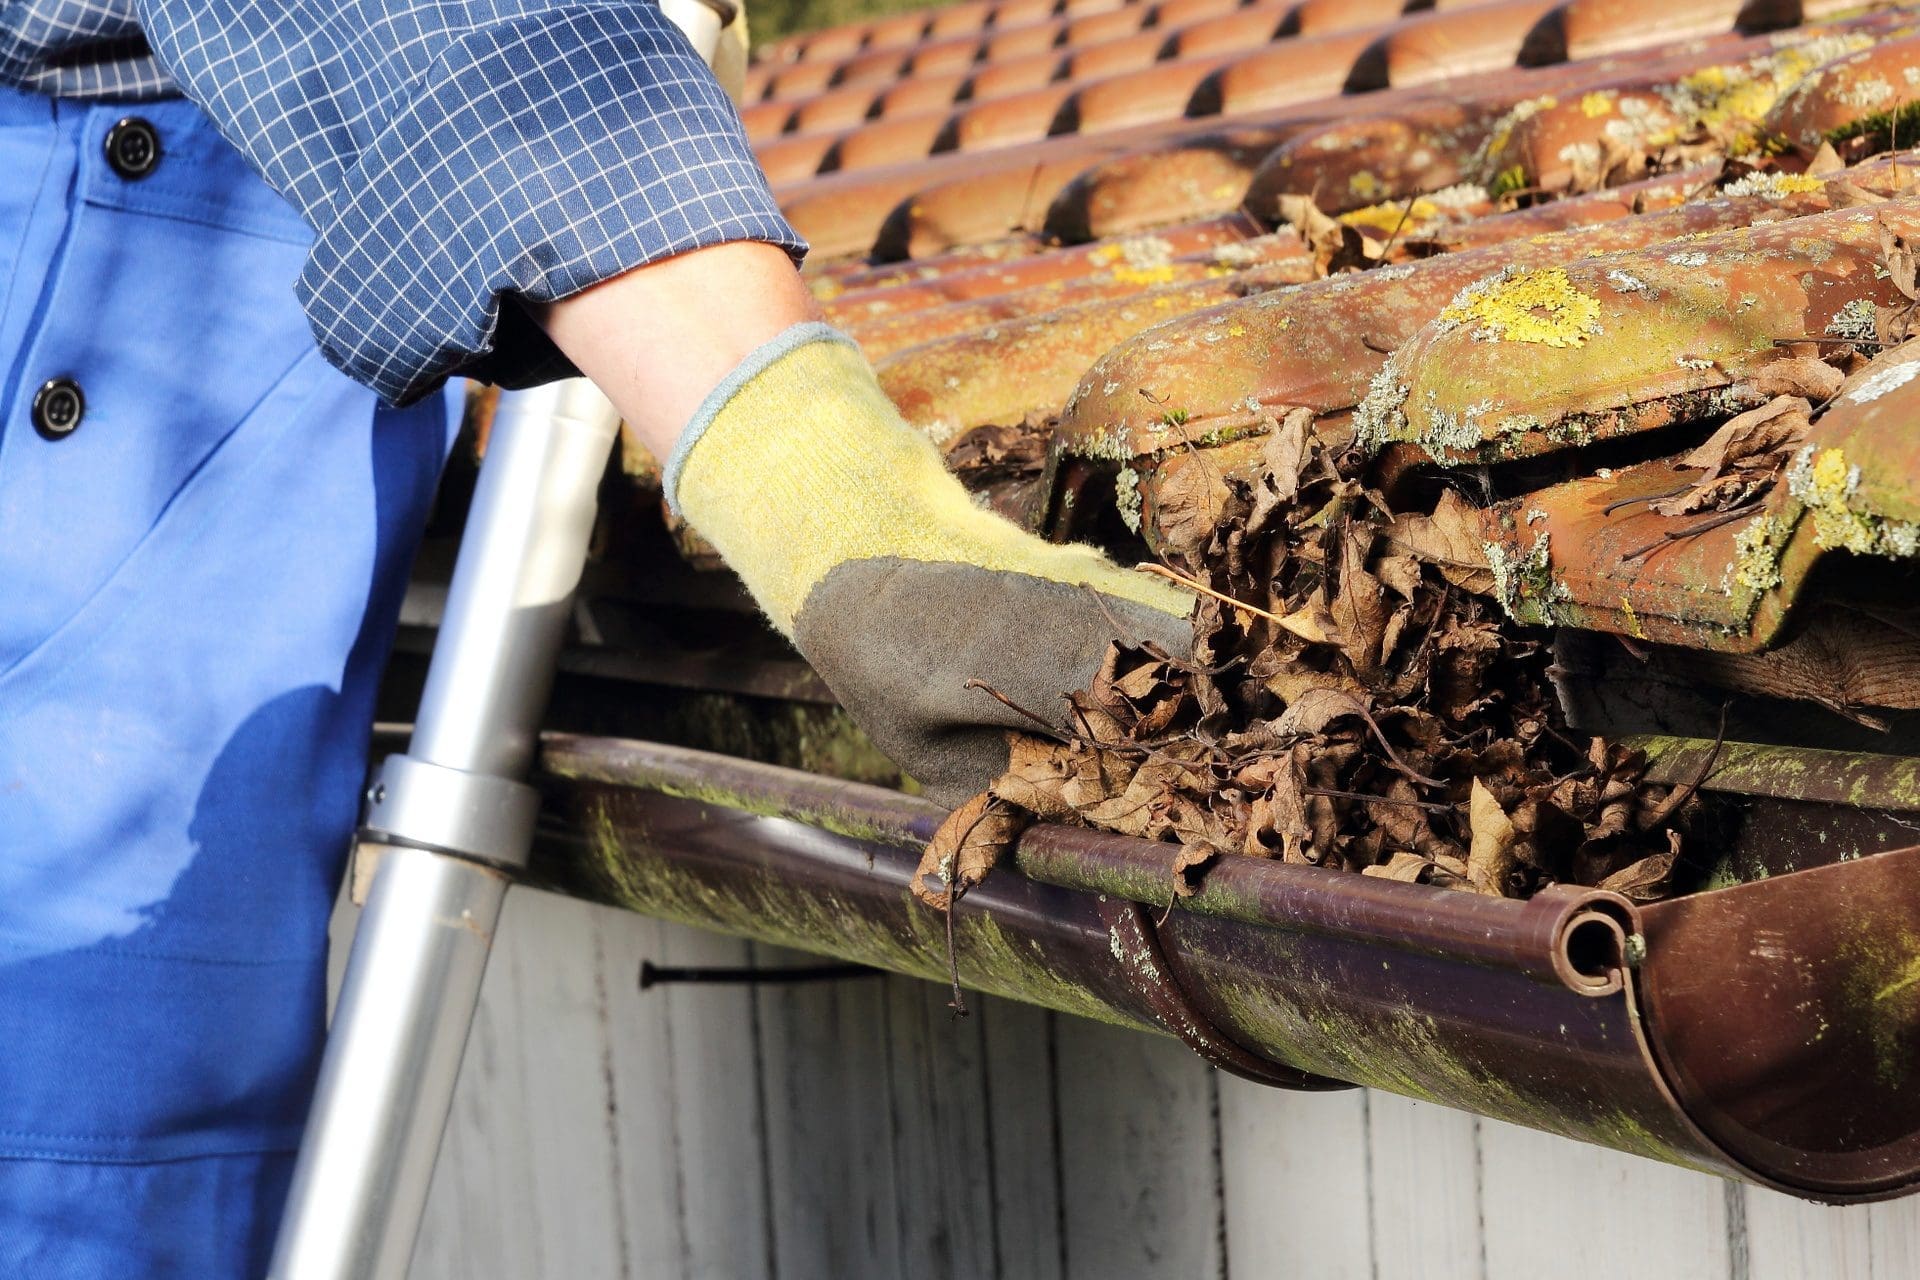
1490	858
1315	709
1037	777
1360	609
1188	865
1452	540
1286	452
1335	246
1772	426
1807	376
1825	161
965	848
1899	259
1408	867
990	451
1187	505
1401	573
1642	881
1744	457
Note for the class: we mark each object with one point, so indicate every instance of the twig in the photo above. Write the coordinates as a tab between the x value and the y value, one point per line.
1406	211
1612	507
1172	898
1052	729
959	1002
1393	757
1428	805
1681	794
1193	584
1693	530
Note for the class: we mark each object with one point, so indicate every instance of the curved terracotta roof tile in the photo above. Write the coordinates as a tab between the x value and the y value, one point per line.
1319	17
1170	14
898	30
795	157
1154	186
885	142
977	206
962	277
938	57
1247	28
835	109
842	213
832	44
1021	42
1589	28
1028	367
1444	46
1015	75
1160	92
1000	122
957	19
1851	96
765	120
1632	341
884	66
801	79
1276	258
1110	57
1352	164
1285	72
1013	13
921	95
1093	28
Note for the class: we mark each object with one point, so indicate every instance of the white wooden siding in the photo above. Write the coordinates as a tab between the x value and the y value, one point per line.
853	1129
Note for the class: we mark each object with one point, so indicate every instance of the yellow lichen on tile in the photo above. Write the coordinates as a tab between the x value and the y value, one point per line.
1365	185
1162	274
1631	619
1828	484
1541	307
1774	185
1393	215
1598	103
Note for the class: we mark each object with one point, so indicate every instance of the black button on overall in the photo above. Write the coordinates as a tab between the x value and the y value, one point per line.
58	407
133	148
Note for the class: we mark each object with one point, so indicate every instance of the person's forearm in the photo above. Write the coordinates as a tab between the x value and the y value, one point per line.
659	338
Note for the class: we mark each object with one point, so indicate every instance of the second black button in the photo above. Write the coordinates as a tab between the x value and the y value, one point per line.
58	407
133	148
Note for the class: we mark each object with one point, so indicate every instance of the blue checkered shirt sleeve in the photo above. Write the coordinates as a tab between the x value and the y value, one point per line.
451	153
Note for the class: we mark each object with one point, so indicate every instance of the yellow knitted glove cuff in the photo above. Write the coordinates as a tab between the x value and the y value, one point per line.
799	463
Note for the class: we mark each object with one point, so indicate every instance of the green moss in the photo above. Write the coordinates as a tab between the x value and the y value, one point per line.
1880	996
1881	128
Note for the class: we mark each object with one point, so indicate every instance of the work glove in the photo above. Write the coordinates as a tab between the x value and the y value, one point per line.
863	549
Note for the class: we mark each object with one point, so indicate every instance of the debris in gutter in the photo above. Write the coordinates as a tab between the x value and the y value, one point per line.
1355	700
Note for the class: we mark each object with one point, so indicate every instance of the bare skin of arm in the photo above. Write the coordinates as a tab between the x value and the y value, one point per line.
658	338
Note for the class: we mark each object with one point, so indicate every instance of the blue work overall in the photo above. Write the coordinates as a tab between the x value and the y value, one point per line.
204	536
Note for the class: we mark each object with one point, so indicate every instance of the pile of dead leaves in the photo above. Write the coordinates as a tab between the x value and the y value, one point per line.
1356	700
